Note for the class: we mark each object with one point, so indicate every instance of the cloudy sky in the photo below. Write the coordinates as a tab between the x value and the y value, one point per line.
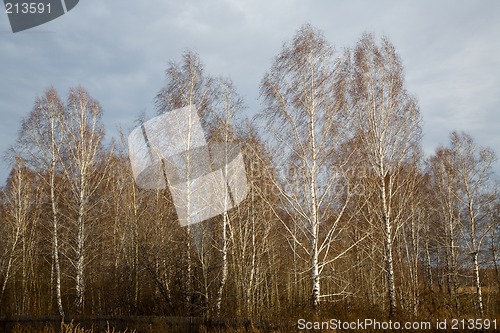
118	50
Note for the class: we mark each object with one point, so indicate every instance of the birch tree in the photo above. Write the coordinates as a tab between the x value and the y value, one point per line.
304	116
40	144
21	197
473	165
128	209
228	105
388	123
217	104
251	229
83	132
188	86
445	186
412	214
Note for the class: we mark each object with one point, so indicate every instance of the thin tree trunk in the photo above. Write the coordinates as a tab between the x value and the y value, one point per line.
250	290
316	291
430	280
316	287
389	265
80	256
315	274
474	246
136	246
55	242
477	283
224	262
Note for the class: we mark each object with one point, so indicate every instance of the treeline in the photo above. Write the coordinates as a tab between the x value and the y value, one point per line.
343	214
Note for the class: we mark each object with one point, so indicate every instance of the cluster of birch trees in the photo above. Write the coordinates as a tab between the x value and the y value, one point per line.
343	211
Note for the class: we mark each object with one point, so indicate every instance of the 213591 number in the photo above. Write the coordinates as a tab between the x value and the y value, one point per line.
473	324
27	8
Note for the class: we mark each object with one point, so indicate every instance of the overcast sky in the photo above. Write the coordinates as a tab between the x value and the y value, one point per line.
118	50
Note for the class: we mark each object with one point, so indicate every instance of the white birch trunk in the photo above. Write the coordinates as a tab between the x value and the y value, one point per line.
55	250
55	230
314	221
475	244
453	261
389	266
80	256
477	283
224	268
227	203
250	290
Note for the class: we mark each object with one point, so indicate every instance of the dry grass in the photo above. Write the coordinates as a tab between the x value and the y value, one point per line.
65	328
76	328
